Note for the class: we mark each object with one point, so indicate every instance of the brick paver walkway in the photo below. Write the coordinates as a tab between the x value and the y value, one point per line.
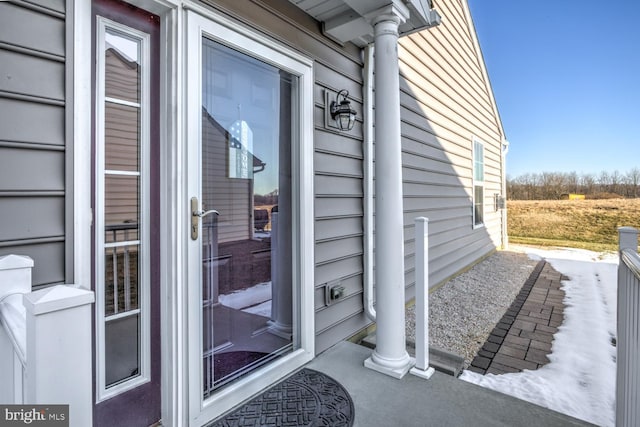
522	339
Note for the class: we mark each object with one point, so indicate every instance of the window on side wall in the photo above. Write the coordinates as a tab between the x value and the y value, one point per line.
478	183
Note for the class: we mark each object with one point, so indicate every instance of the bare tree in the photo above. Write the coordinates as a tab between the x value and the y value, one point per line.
587	184
604	182
633	180
552	185
571	181
616	180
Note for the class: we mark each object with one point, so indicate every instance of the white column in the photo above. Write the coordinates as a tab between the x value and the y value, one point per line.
390	356
281	309
58	369
281	225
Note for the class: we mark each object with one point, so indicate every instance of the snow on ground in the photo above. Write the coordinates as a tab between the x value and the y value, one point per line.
256	299
580	379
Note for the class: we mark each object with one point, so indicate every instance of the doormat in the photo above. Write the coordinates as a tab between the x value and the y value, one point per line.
307	398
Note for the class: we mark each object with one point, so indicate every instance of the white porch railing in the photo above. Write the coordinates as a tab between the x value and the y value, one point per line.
628	344
45	342
15	281
422	368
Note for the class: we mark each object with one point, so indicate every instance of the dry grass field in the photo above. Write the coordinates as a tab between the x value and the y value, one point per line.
585	224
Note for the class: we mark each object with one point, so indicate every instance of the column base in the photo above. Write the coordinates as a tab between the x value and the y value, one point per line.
392	372
426	374
280	330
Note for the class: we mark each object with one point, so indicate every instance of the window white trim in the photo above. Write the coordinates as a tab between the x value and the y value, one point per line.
102	391
477	145
232	34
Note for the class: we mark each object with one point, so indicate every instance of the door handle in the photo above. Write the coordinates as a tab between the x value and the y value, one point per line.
202	214
196	214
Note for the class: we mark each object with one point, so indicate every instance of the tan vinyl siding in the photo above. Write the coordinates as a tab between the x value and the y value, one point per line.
34	196
445	103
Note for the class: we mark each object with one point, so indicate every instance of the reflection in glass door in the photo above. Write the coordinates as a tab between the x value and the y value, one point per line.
246	237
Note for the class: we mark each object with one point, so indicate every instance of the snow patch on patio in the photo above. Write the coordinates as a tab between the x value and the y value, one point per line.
580	379
255	300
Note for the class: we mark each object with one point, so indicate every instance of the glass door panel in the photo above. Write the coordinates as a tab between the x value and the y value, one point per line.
246	132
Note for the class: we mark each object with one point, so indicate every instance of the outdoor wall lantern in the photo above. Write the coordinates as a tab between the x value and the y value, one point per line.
342	112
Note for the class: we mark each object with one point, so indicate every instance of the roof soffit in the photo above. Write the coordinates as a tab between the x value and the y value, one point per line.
349	20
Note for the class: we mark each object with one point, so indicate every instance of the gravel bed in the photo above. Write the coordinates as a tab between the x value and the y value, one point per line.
464	310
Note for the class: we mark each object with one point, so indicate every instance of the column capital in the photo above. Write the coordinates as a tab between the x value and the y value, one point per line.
394	12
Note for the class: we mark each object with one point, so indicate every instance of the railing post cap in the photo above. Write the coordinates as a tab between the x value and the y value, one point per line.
11	262
627	230
59	297
628	238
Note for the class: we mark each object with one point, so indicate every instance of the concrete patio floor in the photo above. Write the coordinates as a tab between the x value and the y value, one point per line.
382	401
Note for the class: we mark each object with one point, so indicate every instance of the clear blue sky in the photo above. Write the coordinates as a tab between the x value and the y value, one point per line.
566	77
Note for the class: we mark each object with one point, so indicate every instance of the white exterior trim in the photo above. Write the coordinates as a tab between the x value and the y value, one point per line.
172	260
82	138
203	21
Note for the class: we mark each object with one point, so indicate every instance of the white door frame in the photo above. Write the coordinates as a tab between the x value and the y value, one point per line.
200	22
80	81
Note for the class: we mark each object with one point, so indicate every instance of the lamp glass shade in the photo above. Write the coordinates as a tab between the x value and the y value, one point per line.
345	121
345	116
342	113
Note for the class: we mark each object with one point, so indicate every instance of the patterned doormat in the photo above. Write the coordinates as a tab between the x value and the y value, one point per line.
307	398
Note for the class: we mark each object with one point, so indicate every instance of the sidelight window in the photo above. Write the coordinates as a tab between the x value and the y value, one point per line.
121	217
